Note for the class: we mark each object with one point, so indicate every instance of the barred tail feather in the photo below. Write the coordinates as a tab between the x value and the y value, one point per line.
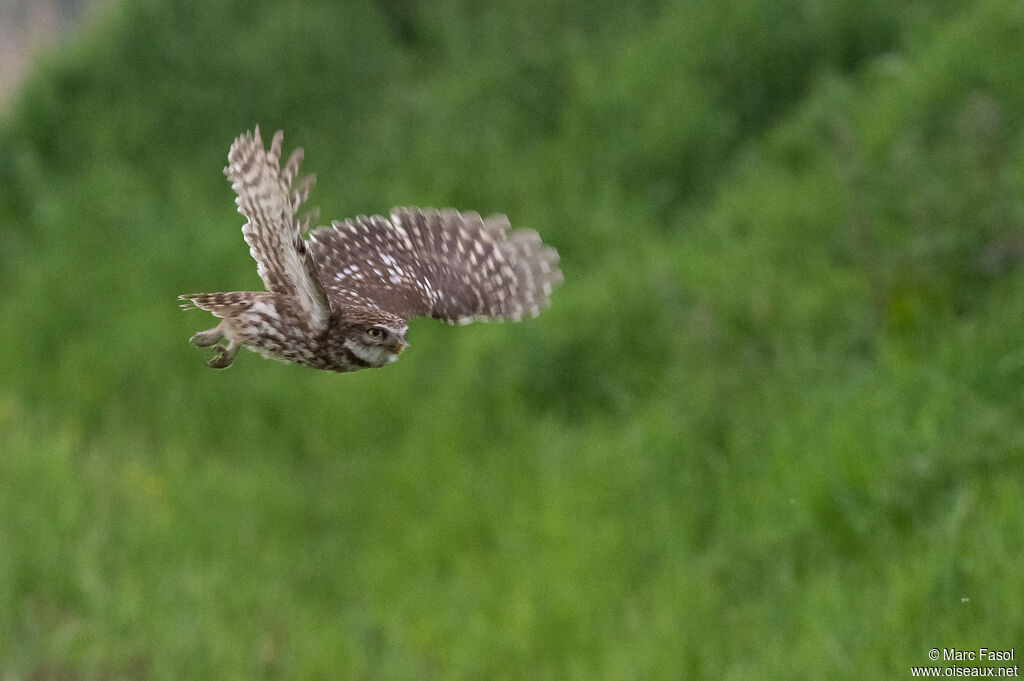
218	304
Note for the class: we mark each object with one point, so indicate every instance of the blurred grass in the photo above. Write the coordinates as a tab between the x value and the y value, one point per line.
771	426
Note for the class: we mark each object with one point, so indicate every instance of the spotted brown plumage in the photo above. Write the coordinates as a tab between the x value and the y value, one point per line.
341	300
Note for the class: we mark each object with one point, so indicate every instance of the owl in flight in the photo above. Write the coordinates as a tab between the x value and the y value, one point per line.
341	299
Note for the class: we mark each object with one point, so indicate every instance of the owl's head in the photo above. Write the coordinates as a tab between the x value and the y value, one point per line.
372	336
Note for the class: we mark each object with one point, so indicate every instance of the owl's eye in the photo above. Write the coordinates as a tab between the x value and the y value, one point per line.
375	332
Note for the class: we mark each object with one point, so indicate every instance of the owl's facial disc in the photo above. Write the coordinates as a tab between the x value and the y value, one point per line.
385	342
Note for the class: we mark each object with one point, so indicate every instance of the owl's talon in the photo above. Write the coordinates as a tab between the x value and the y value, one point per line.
223	356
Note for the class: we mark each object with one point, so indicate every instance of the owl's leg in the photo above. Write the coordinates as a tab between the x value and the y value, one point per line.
224	355
205	339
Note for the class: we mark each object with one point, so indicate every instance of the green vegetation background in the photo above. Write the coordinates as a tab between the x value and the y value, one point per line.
772	426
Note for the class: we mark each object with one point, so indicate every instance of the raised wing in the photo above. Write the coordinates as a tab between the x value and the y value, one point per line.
270	198
456	267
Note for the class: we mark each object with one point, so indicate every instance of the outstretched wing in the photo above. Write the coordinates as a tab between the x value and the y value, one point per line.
270	198
457	267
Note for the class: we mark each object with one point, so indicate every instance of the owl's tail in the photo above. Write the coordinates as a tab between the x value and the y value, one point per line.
219	304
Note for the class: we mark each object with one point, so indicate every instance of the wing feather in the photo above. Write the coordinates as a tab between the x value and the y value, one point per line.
456	267
270	202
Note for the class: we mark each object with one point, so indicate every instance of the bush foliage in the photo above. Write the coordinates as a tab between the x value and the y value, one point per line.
770	428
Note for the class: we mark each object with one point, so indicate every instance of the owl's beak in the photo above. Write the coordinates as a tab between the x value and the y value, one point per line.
398	347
